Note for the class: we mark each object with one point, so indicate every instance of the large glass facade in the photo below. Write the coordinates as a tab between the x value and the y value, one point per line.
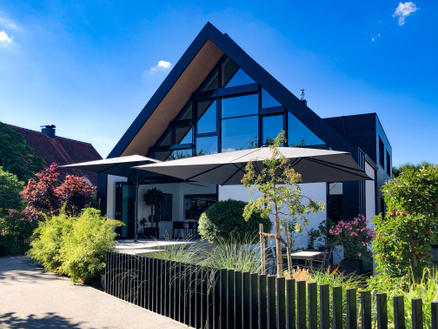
230	112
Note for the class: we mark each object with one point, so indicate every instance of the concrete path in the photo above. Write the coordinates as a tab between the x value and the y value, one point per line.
30	298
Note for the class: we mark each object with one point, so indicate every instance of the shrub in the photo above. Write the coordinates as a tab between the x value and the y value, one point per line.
75	193
404	236
74	246
354	236
10	188
14	235
47	240
224	220
83	249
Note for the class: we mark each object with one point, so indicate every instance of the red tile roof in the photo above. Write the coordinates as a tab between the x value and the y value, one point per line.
61	150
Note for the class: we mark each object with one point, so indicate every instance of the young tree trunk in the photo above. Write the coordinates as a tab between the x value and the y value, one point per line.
288	249
262	248
278	256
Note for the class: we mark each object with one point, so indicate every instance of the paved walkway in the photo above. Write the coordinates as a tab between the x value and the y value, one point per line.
30	298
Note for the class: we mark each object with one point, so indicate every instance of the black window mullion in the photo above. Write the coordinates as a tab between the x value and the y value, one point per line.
194	124
259	130
219	123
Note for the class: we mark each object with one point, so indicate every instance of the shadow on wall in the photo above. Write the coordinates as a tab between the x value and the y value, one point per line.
48	321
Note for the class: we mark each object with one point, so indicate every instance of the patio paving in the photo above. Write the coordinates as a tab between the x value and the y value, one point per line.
142	246
31	298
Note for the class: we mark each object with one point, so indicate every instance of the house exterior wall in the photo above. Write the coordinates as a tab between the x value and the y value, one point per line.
316	191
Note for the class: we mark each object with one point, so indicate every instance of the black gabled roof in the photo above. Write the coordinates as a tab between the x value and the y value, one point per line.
300	110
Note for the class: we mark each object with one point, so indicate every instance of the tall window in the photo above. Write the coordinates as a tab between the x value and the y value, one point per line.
381	153
388	164
335	206
230	111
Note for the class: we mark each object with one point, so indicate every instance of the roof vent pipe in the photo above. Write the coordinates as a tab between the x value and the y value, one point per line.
302	97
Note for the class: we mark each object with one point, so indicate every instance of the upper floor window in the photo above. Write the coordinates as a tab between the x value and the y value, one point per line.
388	163
381	153
239	106
239	133
299	134
239	78
268	100
272	125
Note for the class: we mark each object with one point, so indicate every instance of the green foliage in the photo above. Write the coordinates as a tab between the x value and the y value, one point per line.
10	188
224	220
14	236
47	240
403	238
15	156
84	248
74	246
280	193
396	171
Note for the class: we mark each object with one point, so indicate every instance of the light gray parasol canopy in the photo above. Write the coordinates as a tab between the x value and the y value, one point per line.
121	166
228	168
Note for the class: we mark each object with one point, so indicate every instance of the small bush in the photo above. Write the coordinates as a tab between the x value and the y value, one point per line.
47	240
74	246
84	248
14	236
224	220
10	188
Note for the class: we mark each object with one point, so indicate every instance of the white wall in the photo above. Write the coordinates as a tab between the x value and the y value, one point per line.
370	192
178	190
316	191
111	194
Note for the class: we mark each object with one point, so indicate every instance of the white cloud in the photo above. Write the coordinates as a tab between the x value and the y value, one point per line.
374	38
403	10
7	23
4	37
161	66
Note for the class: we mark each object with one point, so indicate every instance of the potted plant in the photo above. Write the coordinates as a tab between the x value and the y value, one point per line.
355	237
153	198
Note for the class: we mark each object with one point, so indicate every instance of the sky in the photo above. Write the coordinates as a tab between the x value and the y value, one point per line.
89	67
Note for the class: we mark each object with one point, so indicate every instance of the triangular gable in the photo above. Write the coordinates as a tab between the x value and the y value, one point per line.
215	44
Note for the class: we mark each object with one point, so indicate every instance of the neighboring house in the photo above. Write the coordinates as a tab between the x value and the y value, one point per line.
61	150
217	98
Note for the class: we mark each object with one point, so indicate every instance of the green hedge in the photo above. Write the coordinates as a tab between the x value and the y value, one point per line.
74	246
224	220
15	235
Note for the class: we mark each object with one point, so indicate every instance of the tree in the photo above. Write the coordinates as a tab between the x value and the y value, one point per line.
40	191
396	171
280	194
10	188
45	194
75	193
16	156
404	235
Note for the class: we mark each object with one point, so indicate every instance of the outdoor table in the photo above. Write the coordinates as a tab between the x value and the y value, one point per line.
307	256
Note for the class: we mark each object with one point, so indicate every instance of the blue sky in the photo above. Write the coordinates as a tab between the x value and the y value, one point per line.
90	67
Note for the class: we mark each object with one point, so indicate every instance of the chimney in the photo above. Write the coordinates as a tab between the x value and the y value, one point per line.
49	130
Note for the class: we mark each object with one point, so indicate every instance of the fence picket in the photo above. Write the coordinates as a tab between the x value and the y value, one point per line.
399	312
351	309
312	294
223	304
262	302
434	315
246	299
281	303
230	299
253	309
382	311
324	306
417	313
337	307
365	301
301	305
290	304
271	302
237	299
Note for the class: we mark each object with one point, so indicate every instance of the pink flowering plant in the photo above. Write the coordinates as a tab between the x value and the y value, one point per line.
354	236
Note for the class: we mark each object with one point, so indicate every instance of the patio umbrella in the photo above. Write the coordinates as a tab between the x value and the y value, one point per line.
228	168
121	166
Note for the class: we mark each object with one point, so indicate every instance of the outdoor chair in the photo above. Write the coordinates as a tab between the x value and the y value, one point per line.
323	262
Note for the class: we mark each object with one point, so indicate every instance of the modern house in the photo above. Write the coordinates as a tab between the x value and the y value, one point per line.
55	149
216	99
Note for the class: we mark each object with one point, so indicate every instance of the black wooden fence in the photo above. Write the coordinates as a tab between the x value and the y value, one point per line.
230	299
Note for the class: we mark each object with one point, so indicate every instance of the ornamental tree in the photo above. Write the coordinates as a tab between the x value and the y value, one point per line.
404	235
280	195
75	193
